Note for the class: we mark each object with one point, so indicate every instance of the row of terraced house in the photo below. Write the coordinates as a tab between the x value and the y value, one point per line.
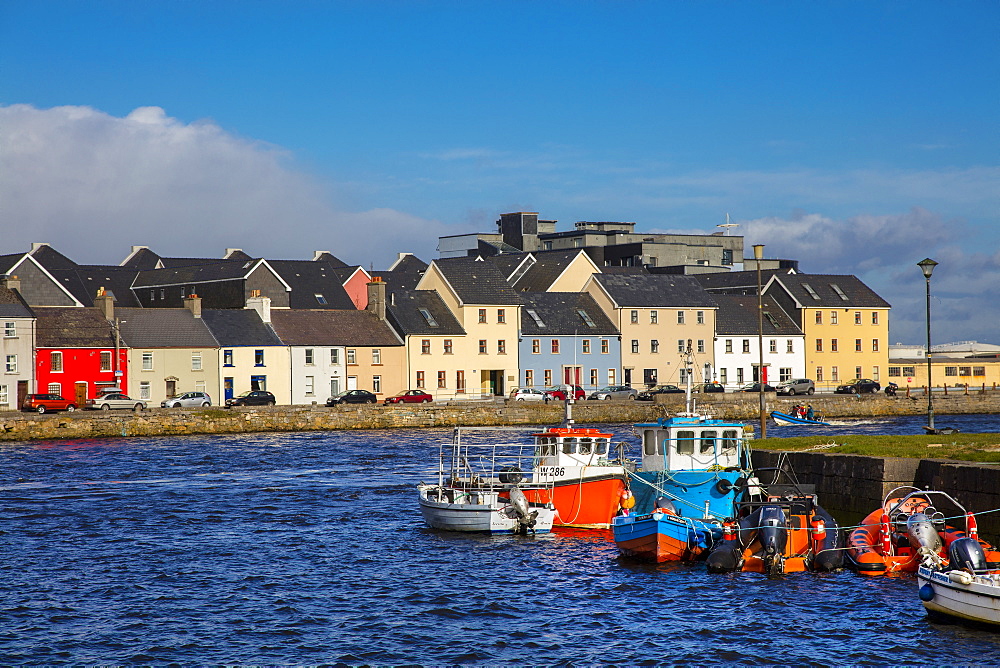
525	307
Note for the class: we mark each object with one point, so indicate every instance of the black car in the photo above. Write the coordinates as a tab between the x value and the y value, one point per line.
252	398
648	395
859	386
713	387
755	387
352	397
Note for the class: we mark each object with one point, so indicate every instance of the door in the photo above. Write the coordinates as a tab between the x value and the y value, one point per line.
627	377
171	388
22	392
80	390
334	386
227	386
496	382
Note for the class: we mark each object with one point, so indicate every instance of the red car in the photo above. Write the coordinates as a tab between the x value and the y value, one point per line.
409	397
42	403
559	393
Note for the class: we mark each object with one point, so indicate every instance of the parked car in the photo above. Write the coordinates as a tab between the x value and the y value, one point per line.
187	400
650	394
527	394
352	397
713	387
859	386
796	386
43	403
559	393
410	397
252	398
614	392
755	387
115	401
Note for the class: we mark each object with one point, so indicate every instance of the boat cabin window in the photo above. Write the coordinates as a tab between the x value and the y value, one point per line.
546	447
649	442
569	446
730	440
586	445
685	442
601	446
708	441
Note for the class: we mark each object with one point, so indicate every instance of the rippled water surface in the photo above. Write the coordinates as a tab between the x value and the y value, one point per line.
308	548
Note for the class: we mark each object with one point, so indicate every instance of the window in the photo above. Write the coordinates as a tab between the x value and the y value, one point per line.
819	317
875	372
163	294
612	376
425	346
833	345
723	376
746	345
310	386
199	386
978	371
152	295
857	317
819	345
555	346
729	345
789	346
529	378
680	345
833	317
857	345
699	317
352	356
9	330
635	346
11	364
951	371
586	346
727	256
258	358
442	380
431	322
55	388
784	374
739	375
857	372
587	320
501	316
196	361
320	299
482	346
145	390
874	317
460	382
547	377
910	371
310	361
420	380
536	346
376	355
534	316
772	346
147	360
701	345
874	345
834	374
593	377
654	346
819	374
55	361
501	347
377	384
335	356
635	317
105	360
482	315
605	347
680	317
653	317
448	349
895	372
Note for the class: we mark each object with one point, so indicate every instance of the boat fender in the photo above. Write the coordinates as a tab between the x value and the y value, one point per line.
885	535
626	500
729	530
723	486
926	593
511	474
960	577
819	530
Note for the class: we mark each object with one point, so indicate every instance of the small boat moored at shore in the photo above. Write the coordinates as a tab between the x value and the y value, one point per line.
962	588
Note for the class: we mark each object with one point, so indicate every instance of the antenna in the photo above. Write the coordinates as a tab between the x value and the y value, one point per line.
726	225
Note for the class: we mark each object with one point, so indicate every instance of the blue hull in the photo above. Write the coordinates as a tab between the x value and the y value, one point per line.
785	418
662	537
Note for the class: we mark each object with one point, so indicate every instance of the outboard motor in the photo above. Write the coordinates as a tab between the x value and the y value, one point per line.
967	553
773	535
664	505
922	534
526	517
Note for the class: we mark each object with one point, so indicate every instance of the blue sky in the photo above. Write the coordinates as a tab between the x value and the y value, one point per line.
856	137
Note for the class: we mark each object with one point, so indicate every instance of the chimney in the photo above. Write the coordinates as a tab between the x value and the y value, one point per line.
136	249
105	303
376	297
262	305
231	251
35	245
193	304
12	283
318	254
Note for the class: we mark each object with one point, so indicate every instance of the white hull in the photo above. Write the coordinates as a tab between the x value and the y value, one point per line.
977	601
478	511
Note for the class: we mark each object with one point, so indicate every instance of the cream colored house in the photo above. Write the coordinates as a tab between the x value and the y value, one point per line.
658	315
546	271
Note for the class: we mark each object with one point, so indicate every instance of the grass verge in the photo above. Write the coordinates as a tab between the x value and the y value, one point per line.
960	447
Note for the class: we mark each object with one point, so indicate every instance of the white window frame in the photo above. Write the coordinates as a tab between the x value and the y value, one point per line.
10	330
196	361
10	365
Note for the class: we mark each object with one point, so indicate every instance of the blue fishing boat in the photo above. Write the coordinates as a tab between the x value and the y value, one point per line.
694	469
790	420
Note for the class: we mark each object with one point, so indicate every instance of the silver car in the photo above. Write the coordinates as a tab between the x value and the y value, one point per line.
188	400
107	402
527	394
614	392
795	386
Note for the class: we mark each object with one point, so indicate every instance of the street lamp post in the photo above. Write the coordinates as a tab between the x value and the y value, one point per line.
927	266
758	253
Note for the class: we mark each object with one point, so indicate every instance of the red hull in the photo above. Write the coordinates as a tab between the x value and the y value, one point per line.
591	503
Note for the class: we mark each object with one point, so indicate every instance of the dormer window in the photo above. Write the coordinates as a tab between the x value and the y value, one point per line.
431	322
586	318
320	299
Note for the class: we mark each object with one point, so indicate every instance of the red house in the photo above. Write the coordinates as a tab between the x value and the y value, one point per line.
76	351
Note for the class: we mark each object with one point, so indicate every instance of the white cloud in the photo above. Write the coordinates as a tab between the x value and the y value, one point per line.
93	184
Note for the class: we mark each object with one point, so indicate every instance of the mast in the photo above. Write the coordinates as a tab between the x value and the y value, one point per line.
688	365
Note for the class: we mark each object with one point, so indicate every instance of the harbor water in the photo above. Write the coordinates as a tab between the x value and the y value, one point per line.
308	548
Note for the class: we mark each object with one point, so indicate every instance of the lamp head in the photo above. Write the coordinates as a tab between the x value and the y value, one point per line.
927	266
758	251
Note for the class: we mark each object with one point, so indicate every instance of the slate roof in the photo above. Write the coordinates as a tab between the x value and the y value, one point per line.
163	328
330	258
8	261
333	328
822	291
408	263
86	280
239	327
142	259
50	258
213	270
548	266
477	281
403	312
12	306
736	281
655	291
72	327
559	313
307	278
737	315
401	280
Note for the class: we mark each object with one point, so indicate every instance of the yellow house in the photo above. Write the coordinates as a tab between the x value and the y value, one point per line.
658	316
488	310
976	372
845	323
